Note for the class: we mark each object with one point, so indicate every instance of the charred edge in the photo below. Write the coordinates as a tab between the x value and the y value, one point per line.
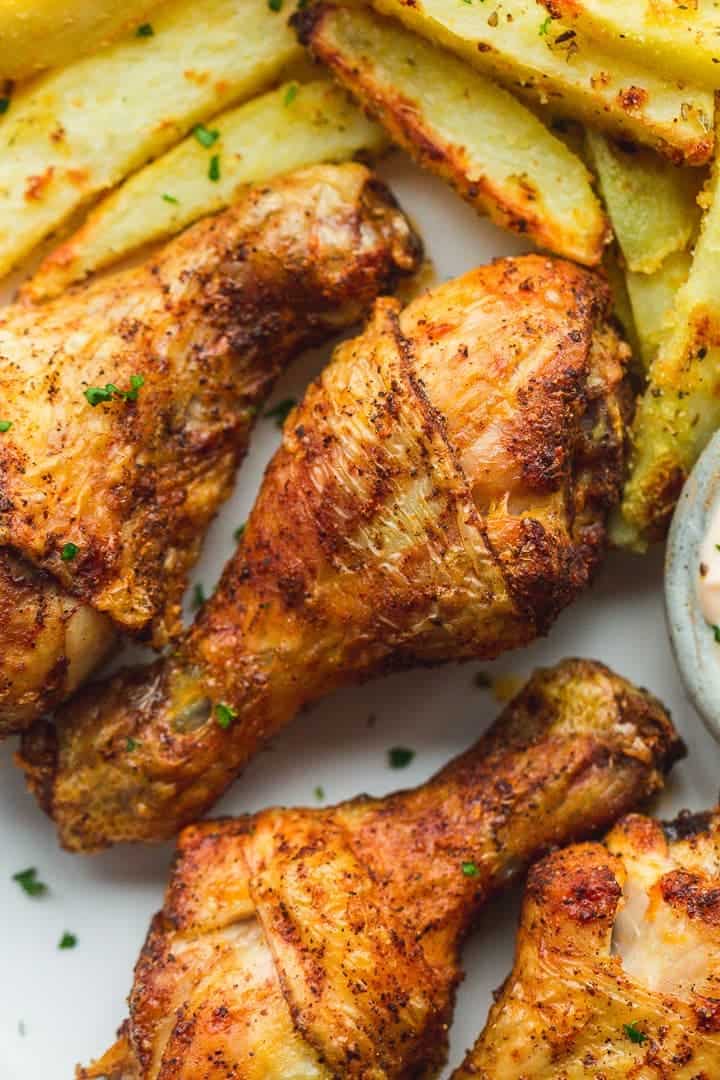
305	22
687	825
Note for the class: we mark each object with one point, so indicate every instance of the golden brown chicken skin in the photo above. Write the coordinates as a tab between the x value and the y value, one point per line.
323	944
617	969
107	500
440	494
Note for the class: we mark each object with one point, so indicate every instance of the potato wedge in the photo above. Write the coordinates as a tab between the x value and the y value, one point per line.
75	132
680	409
522	45
680	38
497	154
652	204
288	128
652	297
40	34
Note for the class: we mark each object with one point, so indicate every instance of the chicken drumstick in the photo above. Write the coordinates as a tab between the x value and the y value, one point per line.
127	406
319	944
441	494
617	969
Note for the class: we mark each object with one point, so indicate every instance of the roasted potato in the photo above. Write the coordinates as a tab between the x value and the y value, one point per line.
497	154
536	55
39	34
283	130
652	297
75	132
674	36
680	408
652	204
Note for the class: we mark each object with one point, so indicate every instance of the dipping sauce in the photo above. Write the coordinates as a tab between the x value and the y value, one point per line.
709	571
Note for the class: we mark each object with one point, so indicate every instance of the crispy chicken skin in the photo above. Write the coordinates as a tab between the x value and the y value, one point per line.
440	494
319	944
208	323
617	969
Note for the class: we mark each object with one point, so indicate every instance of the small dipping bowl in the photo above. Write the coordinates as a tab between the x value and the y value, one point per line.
693	641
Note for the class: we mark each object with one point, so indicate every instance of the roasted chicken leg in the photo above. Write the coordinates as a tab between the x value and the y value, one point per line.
127	407
440	494
617	969
319	944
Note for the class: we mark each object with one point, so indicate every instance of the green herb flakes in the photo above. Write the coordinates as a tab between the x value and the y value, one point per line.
470	869
67	941
5	425
634	1034
399	757
205	136
28	882
224	714
96	395
145	30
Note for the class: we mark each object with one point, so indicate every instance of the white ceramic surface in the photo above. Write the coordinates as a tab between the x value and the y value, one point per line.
60	1007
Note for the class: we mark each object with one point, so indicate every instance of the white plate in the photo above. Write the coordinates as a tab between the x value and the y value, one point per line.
61	1007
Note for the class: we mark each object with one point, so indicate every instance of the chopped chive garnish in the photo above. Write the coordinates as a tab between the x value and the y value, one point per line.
5	425
171	199
214	170
67	941
469	869
290	94
400	756
95	395
634	1034
224	714
69	551
198	598
205	136
145	30
240	531
28	882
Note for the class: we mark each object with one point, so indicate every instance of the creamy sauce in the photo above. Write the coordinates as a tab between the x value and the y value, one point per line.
709	571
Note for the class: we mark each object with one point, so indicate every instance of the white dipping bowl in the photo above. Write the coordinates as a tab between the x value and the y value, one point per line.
696	651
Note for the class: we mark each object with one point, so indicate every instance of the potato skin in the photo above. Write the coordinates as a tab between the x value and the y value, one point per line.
325	943
208	323
440	494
